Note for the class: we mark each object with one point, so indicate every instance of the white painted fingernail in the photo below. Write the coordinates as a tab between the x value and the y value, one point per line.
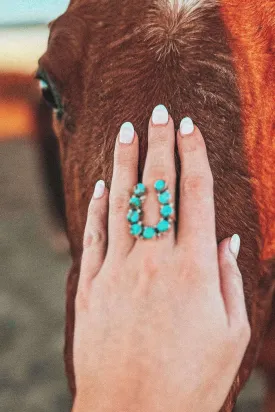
186	126
127	133
234	245
99	189
160	115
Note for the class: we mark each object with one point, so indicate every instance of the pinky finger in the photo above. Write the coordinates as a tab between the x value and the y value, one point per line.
95	236
233	290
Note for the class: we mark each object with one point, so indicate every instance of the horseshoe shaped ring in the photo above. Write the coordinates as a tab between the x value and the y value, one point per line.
135	214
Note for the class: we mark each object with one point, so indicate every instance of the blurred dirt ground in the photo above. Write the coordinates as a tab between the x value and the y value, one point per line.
32	294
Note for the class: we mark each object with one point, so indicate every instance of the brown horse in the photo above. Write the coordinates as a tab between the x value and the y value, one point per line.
108	62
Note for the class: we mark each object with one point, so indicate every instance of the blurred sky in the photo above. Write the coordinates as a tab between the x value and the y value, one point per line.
20	47
17	11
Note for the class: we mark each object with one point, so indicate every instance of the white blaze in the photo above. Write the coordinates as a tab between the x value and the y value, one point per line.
187	4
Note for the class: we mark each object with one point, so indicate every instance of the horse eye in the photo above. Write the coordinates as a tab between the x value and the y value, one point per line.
47	93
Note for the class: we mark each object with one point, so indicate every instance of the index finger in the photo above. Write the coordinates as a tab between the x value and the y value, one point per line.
196	226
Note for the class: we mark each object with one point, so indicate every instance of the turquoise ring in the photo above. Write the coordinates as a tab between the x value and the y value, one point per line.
135	213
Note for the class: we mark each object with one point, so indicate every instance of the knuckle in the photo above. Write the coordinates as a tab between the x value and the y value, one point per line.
158	137
123	160
93	236
198	183
157	161
151	264
119	203
98	236
159	173
193	183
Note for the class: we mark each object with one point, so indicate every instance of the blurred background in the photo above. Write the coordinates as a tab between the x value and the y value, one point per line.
34	250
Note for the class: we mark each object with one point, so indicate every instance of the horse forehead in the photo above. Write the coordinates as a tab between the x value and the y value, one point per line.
78	27
67	30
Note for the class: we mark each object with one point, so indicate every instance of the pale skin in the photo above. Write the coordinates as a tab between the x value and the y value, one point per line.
161	324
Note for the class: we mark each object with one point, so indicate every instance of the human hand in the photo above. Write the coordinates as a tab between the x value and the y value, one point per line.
160	324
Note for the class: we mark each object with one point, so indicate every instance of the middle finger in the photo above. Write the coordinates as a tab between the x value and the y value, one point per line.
159	165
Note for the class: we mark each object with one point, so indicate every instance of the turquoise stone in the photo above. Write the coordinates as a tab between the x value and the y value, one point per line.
163	225
133	216
135	201
159	185
136	229
139	189
166	210
148	232
164	197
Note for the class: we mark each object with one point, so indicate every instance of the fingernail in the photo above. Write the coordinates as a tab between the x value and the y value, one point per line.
234	245
160	115
99	189
186	126
127	133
